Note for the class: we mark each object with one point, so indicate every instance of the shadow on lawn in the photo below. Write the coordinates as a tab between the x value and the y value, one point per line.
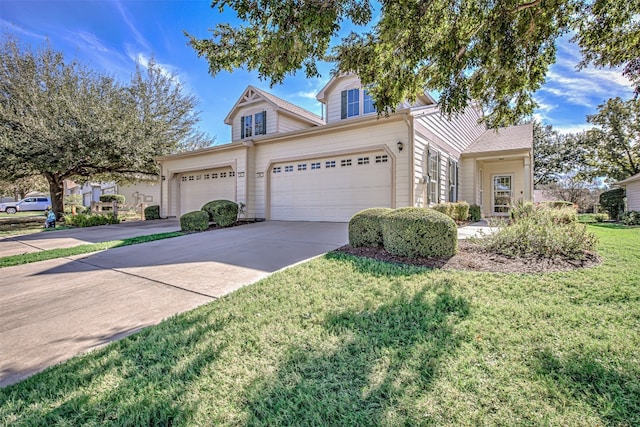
613	393
141	379
388	356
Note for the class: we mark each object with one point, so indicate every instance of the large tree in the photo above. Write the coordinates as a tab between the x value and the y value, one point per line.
556	155
496	52
62	120
613	146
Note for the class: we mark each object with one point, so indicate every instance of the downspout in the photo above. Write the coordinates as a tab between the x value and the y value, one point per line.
412	174
161	185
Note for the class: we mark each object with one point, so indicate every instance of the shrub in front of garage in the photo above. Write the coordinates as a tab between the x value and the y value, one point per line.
194	221
118	198
419	232
223	212
365	228
152	212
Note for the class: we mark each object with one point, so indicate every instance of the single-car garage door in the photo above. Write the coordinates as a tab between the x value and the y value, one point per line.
330	189
200	187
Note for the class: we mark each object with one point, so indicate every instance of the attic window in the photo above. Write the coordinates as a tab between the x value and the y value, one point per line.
350	103
253	125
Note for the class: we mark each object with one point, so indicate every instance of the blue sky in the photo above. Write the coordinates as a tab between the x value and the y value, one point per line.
110	36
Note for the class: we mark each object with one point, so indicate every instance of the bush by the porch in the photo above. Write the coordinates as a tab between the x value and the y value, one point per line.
194	221
475	213
84	220
631	218
223	212
365	228
419	232
544	232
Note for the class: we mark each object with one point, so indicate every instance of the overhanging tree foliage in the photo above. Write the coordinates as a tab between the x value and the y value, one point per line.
63	121
613	147
496	52
556	155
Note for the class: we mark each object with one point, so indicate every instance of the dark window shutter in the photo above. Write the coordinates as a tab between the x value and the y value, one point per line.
264	122
438	166
457	182
343	105
242	128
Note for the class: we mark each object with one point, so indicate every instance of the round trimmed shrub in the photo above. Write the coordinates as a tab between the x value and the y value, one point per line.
223	212
419	232
365	228
194	221
152	212
118	198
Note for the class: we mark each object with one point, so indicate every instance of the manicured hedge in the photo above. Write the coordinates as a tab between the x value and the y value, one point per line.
223	212
84	220
365	228
458	211
118	198
194	221
419	232
612	201
152	212
475	213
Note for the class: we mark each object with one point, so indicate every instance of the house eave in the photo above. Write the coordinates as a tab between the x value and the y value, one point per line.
208	150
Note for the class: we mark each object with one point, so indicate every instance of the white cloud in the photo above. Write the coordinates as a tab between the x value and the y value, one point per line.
89	40
21	30
306	94
572	128
127	19
167	70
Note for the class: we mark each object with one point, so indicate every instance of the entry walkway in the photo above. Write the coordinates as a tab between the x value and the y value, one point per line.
477	229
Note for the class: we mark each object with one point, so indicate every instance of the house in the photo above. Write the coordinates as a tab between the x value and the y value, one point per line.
147	192
286	163
632	188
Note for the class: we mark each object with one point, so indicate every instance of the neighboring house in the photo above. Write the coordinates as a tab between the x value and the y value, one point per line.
147	192
632	189
286	163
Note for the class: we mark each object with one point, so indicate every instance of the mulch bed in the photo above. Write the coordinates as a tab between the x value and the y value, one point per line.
472	257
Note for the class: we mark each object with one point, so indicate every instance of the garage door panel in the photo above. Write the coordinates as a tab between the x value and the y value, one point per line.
330	193
200	187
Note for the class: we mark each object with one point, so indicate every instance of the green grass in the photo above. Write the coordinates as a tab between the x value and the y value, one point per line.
347	341
22	214
12	260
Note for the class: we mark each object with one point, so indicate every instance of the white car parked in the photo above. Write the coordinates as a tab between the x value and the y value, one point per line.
26	204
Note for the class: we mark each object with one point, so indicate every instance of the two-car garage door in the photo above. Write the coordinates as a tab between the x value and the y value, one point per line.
330	189
200	187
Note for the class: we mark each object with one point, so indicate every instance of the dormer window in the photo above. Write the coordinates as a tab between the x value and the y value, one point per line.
351	101
367	104
253	125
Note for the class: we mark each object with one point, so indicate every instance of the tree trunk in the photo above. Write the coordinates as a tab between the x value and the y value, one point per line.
56	190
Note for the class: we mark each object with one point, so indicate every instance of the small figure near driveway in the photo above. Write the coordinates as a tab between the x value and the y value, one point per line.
50	222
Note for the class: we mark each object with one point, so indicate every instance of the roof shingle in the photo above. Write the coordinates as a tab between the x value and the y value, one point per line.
503	139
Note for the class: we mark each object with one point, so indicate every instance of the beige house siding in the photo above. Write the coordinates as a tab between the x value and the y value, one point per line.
449	138
289	124
205	160
382	133
334	102
252	109
633	196
141	192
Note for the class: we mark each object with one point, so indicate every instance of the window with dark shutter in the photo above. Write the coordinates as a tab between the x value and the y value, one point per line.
241	127
343	105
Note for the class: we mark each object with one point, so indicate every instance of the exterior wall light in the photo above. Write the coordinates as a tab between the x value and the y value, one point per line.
240	174
164	177
260	174
400	145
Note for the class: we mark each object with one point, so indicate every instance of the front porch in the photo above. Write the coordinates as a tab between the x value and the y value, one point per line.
497	170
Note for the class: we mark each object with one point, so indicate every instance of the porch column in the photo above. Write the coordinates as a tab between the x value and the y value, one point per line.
528	183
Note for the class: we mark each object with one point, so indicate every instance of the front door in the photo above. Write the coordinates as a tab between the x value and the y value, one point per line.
502	194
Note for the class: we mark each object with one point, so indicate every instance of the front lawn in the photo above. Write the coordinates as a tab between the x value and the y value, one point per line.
348	341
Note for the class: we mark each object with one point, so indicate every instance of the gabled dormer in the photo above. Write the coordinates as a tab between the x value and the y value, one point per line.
258	113
345	98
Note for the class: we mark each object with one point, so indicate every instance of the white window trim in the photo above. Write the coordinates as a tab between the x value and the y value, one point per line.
493	193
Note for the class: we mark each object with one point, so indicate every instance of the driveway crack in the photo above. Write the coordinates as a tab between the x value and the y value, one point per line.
144	278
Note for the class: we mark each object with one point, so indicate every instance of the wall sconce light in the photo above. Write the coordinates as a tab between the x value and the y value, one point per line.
400	145
240	174
164	178
260	174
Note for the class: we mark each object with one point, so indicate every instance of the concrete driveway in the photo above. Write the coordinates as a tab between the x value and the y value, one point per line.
53	310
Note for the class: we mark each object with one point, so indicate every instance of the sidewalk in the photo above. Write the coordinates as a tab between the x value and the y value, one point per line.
35	242
477	229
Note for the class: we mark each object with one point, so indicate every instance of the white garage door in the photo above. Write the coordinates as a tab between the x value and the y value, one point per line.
200	187
331	189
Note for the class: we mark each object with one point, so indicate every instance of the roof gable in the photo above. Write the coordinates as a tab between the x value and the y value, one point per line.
252	95
629	180
503	139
